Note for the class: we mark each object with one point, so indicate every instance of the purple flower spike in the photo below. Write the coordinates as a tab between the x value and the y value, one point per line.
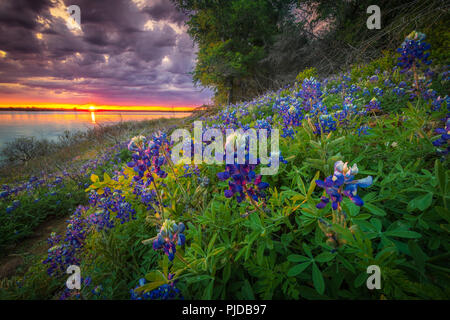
341	184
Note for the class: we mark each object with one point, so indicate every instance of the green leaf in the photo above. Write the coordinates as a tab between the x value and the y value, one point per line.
443	213
240	253
403	234
301	185
418	255
362	216
165	265
424	201
260	252
286	238
318	279
440	175
298	197
150	286
385	253
216	251
248	291
324	257
377	224
211	242
307	250
155	275
207	295
199	278
346	264
312	186
226	273
297	269
106	177
374	210
197	249
360	280
297	258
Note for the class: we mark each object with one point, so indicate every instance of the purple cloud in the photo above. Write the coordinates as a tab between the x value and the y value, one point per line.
127	52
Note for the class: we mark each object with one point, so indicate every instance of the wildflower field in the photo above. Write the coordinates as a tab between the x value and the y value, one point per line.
362	181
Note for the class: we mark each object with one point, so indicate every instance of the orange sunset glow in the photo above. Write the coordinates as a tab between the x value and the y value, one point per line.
92	107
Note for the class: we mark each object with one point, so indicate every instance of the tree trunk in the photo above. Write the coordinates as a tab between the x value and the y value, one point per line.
230	92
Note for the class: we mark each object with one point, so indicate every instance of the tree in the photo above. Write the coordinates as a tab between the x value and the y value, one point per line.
232	37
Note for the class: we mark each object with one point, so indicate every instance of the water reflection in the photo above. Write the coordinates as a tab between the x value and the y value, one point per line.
49	125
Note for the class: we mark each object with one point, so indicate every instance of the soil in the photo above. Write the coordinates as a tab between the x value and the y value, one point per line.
15	261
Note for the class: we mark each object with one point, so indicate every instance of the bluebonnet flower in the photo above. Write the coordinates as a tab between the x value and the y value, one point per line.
59	257
311	93
15	204
244	181
429	94
87	281
378	91
413	51
101	219
326	124
264	124
341	184
149	156
76	229
363	130
146	195
373	106
97	290
446	76
189	170
399	91
443	140
170	235
354	89
436	104
68	293
63	253
4	194
116	203
288	132
388	83
167	291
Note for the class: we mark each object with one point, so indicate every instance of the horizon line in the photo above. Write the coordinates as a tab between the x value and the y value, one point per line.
94	107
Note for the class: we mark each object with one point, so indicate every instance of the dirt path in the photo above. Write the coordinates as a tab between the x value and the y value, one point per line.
18	258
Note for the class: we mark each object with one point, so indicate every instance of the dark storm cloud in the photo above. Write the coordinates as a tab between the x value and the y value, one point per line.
22	13
135	51
164	10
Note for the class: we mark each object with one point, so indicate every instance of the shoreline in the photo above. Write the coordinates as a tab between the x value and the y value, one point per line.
99	110
81	142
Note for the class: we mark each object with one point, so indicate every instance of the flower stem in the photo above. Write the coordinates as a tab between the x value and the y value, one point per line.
159	197
178	255
171	165
416	78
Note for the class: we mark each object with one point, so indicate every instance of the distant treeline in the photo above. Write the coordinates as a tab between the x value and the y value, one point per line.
34	109
249	47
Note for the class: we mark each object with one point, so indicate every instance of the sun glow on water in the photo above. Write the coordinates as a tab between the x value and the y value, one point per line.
91	107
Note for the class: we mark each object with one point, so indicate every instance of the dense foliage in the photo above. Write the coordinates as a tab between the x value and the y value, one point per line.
232	37
363	180
248	47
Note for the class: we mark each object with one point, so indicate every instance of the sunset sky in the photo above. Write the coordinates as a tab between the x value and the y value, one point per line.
124	53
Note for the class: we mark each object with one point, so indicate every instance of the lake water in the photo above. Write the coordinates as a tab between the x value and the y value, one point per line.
50	124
